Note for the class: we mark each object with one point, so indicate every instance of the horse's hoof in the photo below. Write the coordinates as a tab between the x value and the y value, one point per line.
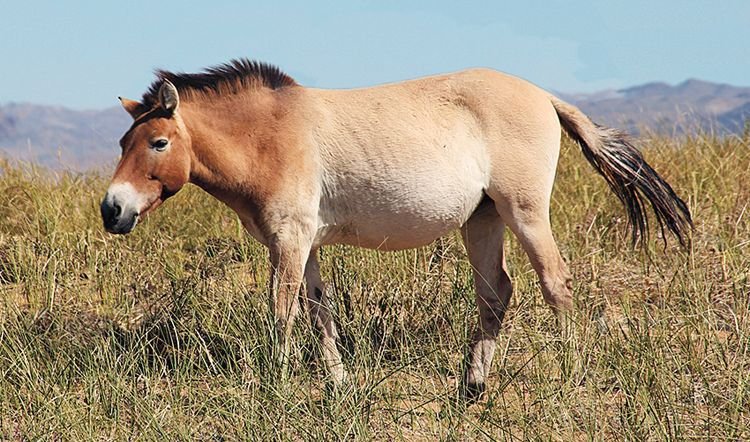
472	392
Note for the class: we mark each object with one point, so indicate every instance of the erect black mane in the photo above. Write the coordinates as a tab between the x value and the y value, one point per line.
228	78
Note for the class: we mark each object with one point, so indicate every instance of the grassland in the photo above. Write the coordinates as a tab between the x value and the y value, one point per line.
164	334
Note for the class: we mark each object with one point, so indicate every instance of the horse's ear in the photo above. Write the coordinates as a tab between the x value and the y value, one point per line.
169	99
134	108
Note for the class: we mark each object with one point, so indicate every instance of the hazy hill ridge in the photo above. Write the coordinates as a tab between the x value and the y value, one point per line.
60	137
669	109
79	139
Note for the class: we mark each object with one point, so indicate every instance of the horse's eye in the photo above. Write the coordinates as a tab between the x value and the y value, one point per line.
160	144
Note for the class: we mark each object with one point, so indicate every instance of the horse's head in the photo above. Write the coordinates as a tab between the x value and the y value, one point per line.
155	161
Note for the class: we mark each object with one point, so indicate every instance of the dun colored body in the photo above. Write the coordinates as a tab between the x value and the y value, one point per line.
389	167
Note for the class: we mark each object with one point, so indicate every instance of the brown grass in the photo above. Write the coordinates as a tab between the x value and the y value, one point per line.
165	334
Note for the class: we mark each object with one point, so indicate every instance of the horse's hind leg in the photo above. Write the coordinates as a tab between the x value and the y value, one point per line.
531	226
483	237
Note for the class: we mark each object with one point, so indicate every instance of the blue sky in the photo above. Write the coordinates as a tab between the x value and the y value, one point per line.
84	54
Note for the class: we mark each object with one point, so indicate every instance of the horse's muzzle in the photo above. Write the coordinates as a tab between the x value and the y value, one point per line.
116	220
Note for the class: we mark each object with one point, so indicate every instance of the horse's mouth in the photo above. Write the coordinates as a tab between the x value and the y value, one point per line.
151	207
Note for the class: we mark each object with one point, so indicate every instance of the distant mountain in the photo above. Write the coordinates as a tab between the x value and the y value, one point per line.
63	138
669	109
59	137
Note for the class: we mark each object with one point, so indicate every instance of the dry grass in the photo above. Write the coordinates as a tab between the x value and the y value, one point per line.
165	334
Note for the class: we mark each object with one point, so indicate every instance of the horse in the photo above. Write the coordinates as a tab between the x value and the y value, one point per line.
389	167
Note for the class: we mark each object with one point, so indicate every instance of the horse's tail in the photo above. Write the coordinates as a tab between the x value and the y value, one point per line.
629	176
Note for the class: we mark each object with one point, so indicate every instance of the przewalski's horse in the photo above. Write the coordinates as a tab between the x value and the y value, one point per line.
389	167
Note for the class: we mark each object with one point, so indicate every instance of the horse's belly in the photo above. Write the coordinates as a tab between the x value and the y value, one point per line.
404	231
396	216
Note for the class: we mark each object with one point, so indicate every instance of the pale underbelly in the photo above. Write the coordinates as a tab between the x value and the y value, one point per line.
389	225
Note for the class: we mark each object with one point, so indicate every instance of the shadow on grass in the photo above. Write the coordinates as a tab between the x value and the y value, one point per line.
173	340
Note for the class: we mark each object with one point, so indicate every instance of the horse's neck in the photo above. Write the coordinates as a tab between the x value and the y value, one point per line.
218	160
223	149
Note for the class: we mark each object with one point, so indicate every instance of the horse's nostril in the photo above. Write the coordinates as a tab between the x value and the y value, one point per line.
111	212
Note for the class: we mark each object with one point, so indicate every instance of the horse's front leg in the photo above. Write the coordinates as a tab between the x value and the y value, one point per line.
288	255
322	320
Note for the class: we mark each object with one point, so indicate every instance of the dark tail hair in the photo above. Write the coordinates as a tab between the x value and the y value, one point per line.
628	175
